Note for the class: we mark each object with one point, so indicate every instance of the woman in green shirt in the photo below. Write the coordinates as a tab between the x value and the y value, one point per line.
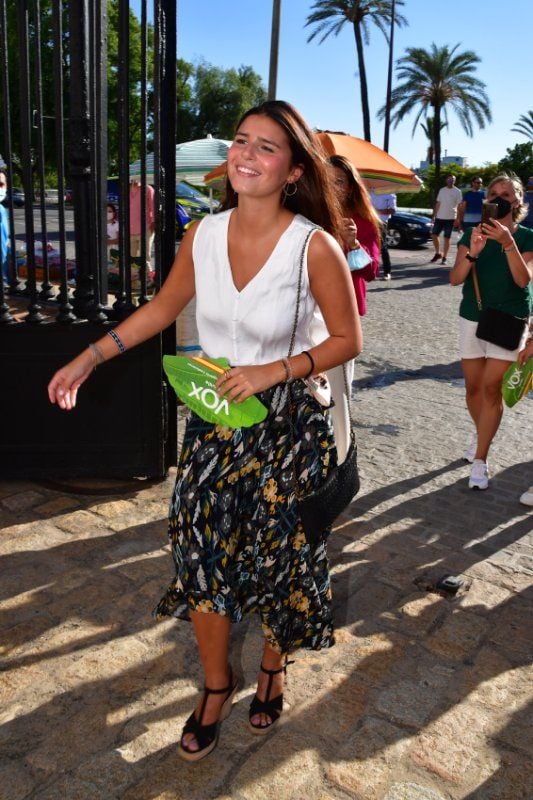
503	253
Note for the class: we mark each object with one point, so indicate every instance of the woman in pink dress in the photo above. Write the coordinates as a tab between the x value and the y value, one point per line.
362	226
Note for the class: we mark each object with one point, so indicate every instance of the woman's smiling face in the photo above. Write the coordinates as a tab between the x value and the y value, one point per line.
260	158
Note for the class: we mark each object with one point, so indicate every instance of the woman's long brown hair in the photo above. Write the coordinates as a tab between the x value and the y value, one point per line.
358	199
315	197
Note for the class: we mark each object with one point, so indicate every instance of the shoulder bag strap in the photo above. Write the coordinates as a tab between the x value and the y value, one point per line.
295	326
476	288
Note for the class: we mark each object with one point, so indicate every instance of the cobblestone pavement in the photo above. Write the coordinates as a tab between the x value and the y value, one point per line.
422	698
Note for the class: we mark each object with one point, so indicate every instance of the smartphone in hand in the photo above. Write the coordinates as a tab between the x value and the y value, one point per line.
488	211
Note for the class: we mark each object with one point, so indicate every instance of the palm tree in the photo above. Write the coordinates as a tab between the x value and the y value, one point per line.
274	50
525	125
427	127
435	80
329	16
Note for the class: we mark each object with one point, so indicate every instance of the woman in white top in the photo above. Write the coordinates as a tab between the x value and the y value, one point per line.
237	540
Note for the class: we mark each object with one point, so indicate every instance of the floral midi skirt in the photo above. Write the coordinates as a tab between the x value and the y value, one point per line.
237	541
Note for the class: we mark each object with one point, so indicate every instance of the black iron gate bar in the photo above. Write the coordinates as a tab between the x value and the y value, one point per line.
87	155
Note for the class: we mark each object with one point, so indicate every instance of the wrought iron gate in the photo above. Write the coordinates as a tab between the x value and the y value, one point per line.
55	107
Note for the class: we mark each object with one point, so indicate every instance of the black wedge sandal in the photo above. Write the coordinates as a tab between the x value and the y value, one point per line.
270	707
207	735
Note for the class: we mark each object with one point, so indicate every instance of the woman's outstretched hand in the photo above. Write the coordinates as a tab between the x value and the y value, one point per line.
63	388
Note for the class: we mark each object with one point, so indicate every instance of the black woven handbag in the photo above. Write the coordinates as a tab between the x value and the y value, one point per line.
319	509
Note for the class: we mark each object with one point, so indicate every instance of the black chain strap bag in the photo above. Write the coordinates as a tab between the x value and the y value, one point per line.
495	326
319	509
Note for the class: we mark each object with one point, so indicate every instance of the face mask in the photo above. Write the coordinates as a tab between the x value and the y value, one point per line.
504	206
2	194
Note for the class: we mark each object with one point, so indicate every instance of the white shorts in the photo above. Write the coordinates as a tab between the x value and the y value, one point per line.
472	347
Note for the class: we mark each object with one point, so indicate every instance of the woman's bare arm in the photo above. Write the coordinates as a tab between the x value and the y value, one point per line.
144	323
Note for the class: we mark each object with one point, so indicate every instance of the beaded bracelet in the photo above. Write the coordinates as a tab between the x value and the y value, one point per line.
118	341
312	362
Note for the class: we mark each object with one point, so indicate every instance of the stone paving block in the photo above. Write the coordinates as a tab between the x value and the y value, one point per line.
369	760
22	501
370	658
459	636
407	703
82	523
284	766
37	541
491	680
57	505
332	706
364	607
453	747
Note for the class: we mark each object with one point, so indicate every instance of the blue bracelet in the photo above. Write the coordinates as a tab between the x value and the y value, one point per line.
118	341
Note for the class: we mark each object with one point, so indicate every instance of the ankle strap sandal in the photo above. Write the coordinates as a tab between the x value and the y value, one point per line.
207	735
270	707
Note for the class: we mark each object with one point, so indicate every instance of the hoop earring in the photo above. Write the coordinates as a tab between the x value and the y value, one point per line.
294	189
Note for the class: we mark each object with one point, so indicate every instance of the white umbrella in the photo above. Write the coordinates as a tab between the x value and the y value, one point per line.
193	160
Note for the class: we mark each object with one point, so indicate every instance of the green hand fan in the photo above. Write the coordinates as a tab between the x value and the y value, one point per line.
193	379
517	382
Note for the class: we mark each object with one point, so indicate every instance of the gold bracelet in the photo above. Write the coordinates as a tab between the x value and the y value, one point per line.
508	249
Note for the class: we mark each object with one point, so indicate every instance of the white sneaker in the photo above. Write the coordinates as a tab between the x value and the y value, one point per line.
470	452
479	475
527	497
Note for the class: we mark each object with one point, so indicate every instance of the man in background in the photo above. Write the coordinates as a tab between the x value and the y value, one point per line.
445	217
469	211
385	205
135	220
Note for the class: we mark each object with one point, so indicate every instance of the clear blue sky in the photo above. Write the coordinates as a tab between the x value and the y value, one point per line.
322	82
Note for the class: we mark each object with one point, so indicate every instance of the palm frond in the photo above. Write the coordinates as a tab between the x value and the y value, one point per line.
524	125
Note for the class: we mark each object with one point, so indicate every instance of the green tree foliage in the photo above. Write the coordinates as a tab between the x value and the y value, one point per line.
518	159
525	125
435	80
329	17
218	98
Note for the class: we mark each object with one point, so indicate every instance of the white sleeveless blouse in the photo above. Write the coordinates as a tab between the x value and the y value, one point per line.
252	326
